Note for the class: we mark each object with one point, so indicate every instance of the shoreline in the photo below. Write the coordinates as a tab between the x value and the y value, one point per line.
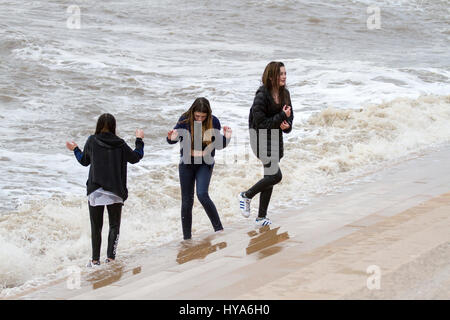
322	234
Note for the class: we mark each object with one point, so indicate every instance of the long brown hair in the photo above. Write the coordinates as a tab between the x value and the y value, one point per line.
200	105
271	80
106	123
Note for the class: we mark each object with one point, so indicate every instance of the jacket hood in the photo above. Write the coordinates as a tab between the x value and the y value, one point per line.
108	140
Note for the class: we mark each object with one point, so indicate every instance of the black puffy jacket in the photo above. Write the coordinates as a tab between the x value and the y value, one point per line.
266	114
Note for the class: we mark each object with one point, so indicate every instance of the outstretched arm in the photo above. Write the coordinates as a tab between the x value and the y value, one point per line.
82	157
173	135
134	156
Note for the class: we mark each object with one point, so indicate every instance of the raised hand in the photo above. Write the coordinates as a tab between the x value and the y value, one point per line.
227	132
172	134
71	145
140	133
287	110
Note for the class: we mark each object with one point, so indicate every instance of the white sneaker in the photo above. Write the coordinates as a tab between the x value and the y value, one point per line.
262	222
244	205
91	264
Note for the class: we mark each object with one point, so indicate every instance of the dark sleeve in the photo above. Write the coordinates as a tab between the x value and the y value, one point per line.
219	136
226	142
134	156
290	120
172	141
84	157
260	118
177	126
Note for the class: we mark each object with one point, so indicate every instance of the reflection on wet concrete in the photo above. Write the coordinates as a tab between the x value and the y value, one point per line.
265	238
191	251
112	274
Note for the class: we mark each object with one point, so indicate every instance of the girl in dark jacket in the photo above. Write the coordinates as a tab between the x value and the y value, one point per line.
198	131
107	156
270	116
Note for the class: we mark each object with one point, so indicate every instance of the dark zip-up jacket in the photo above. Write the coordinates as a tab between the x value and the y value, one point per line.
217	135
266	114
108	156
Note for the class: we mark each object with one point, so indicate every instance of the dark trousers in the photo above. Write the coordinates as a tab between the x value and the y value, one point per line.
265	187
200	174
96	214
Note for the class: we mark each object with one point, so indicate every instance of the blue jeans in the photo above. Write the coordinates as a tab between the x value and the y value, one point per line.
189	175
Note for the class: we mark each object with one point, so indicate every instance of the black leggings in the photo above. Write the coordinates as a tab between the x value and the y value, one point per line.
265	187
96	214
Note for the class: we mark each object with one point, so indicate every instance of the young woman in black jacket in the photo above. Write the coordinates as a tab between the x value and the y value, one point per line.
270	116
107	156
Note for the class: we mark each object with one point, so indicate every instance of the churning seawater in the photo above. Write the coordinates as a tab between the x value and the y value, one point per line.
363	95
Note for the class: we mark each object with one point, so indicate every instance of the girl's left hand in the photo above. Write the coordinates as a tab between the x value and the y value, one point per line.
140	133
227	132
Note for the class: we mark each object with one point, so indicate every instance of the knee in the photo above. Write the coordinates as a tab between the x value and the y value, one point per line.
115	226
203	197
96	226
187	201
276	178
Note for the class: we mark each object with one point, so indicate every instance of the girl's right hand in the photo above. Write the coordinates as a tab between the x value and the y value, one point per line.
172	134
285	125
71	145
287	110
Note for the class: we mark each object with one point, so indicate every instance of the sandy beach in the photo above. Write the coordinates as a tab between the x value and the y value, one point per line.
386	238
